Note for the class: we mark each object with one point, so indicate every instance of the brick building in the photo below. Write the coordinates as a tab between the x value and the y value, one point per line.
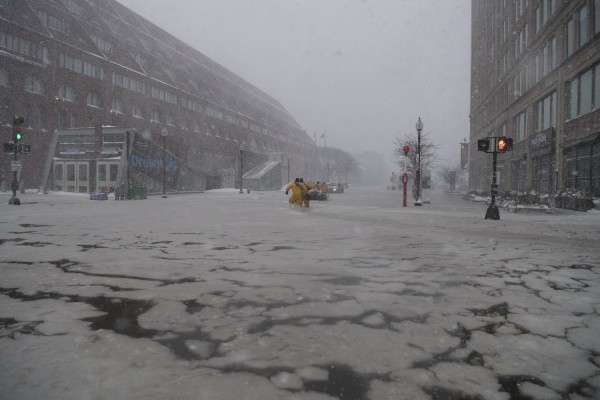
535	77
88	63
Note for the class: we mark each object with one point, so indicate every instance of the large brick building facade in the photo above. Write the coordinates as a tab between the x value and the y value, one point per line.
536	78
84	63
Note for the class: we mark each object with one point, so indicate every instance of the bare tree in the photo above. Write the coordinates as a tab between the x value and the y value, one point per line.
338	163
428	155
428	152
451	175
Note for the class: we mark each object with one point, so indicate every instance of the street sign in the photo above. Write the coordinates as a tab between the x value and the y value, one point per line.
15	166
24	148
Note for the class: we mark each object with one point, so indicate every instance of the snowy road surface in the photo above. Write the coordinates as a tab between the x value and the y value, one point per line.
224	296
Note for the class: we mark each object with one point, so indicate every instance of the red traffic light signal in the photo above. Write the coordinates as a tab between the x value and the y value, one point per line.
504	144
406	149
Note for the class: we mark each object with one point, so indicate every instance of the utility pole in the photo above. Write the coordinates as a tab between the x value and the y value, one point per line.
494	145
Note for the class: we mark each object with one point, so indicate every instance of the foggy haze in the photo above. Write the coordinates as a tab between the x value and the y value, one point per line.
359	71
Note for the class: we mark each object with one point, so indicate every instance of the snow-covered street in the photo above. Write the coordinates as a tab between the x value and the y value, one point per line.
228	296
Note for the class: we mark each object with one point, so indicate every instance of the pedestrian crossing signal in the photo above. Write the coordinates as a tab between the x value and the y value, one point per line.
504	144
483	145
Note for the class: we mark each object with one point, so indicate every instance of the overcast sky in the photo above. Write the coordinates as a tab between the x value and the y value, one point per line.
362	71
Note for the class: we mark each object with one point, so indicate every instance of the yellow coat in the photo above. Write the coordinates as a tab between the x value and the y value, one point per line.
297	189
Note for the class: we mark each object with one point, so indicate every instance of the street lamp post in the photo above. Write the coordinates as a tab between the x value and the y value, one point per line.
164	133
419	127
241	166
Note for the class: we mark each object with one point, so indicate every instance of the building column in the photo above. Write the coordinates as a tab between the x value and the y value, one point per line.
561	112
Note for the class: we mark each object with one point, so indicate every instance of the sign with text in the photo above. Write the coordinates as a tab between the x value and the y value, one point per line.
541	139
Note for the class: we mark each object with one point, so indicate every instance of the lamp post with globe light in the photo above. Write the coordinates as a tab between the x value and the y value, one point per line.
419	126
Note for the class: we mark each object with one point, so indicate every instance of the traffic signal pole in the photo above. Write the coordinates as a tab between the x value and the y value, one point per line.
494	145
492	211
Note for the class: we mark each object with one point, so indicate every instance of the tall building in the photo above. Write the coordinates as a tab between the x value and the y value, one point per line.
89	63
535	77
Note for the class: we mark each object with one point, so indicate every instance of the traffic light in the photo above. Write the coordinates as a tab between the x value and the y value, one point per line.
483	145
17	134
504	144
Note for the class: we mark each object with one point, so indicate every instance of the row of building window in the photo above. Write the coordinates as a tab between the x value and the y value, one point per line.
163	95
23	47
73	7
34	84
584	93
103	45
579	29
81	67
66	92
51	22
584	97
128	83
543	12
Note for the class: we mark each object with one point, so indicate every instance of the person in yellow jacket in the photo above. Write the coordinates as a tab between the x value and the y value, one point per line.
305	196
297	189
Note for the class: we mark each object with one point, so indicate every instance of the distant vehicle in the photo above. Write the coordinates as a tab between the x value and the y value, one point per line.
335	188
314	194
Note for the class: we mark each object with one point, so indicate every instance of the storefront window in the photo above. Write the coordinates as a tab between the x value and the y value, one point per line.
83	175
102	173
70	172
58	177
114	169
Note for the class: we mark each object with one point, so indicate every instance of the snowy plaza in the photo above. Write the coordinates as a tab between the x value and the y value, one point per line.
229	296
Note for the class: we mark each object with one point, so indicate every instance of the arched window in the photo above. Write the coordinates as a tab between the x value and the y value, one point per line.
33	84
93	99
155	115
137	111
66	92
117	105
